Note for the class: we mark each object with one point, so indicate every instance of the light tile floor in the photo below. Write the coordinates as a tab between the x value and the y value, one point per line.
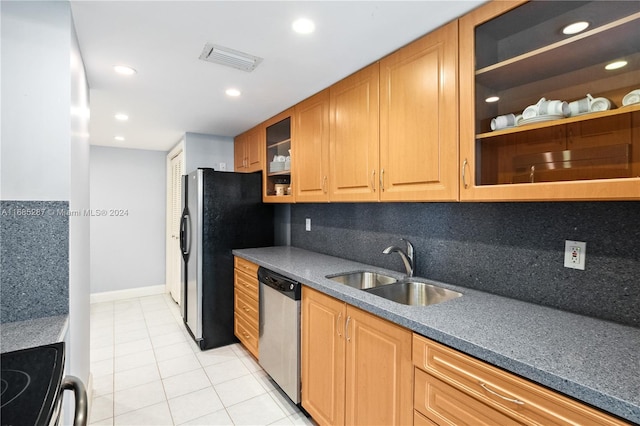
148	371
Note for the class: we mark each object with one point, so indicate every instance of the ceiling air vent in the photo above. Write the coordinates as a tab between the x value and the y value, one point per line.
229	57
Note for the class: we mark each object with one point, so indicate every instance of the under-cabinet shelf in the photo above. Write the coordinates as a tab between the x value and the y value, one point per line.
591	116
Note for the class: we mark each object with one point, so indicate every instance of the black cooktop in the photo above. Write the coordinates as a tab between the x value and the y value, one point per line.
30	383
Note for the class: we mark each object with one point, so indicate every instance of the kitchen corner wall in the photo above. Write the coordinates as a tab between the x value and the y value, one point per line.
511	249
128	238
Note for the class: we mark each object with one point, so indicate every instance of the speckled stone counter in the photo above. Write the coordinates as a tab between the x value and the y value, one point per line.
31	333
594	361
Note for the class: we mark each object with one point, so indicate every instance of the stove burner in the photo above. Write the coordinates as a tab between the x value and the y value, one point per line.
14	383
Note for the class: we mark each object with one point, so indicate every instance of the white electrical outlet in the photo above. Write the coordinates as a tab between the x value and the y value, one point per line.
223	167
575	254
307	224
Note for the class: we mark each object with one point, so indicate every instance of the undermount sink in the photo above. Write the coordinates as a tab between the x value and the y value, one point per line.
414	293
363	279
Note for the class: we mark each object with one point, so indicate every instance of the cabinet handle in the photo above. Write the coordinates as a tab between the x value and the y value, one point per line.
245	308
382	180
346	329
532	174
464	174
338	324
373	180
324	184
515	401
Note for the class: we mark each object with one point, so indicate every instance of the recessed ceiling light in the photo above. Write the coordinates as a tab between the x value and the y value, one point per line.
124	70
119	138
575	28
615	65
303	26
121	117
491	99
232	92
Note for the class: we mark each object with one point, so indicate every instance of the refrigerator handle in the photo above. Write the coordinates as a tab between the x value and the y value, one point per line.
185	233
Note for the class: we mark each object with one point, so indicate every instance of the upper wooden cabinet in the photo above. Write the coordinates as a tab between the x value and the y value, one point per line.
516	51
354	136
311	146
248	149
419	119
277	184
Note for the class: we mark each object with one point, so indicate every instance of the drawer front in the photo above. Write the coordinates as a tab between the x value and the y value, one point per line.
519	398
246	266
248	283
246	307
247	335
444	404
420	420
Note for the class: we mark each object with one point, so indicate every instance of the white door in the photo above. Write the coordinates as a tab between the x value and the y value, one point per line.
174	255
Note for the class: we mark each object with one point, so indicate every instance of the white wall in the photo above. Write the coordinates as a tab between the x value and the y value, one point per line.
79	259
35	100
207	151
127	251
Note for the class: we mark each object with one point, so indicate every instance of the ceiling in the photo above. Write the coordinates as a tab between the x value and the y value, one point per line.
174	92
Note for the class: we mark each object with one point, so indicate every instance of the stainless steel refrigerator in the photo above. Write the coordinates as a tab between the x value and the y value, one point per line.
222	211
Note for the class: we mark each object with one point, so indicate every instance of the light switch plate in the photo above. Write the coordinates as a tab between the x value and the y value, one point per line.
575	254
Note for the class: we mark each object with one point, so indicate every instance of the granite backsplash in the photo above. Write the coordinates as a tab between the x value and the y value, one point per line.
34	262
511	249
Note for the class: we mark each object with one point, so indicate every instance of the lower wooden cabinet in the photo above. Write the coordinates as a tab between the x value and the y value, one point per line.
356	367
454	389
246	306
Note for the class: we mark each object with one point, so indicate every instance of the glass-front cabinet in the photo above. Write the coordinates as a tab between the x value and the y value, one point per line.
277	173
550	101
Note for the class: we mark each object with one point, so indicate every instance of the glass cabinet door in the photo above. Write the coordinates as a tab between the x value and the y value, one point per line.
553	110
277	182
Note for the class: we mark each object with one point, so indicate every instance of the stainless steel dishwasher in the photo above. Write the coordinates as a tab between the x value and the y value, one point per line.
279	335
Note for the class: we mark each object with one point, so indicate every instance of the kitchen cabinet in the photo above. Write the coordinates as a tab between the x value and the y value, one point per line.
516	51
277	184
247	151
419	119
246	306
311	146
354	136
356	367
454	388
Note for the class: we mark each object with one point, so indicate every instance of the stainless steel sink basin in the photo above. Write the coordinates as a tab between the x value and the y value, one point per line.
363	279
414	293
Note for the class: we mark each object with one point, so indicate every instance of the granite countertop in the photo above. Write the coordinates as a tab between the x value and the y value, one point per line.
31	333
592	360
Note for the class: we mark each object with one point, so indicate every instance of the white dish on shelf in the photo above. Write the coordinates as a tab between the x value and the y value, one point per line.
539	119
631	98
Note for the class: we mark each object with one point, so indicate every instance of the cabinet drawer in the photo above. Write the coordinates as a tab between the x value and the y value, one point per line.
247	334
246	266
246	307
525	401
444	404
420	420
248	283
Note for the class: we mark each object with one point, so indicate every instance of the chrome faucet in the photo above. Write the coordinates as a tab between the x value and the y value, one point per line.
407	258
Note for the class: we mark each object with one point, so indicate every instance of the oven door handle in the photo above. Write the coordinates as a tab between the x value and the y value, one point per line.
80	394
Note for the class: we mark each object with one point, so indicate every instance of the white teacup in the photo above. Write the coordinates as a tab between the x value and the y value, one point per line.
581	106
554	108
600	104
633	97
504	121
532	110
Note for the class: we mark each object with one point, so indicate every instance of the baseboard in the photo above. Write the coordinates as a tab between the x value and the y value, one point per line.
110	296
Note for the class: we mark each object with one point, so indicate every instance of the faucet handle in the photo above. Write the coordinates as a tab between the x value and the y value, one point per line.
409	248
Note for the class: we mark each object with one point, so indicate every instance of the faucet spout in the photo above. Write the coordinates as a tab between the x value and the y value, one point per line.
407	258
